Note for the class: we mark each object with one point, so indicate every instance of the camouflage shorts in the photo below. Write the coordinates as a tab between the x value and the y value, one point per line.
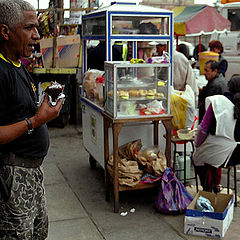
24	215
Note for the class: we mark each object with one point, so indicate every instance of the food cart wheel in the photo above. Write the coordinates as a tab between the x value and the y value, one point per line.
92	162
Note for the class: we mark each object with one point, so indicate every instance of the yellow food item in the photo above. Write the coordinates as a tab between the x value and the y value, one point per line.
124	94
136	60
124	97
151	91
142	92
150	96
159	95
134	93
160	83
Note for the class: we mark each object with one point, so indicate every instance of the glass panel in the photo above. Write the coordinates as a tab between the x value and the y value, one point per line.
140	25
109	89
96	53
150	49
141	89
94	26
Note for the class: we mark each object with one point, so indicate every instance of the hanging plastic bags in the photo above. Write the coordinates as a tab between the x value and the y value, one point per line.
183	108
173	197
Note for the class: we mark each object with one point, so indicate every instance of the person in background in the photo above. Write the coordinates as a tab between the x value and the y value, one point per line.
217	84
182	48
97	55
199	48
217	47
161	48
183	74
218	136
24	139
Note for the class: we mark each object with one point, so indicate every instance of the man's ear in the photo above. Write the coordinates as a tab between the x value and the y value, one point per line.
4	31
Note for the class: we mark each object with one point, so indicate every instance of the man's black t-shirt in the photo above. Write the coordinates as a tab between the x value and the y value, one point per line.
17	102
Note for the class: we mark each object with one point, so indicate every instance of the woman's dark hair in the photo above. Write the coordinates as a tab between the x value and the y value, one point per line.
234	87
182	48
196	51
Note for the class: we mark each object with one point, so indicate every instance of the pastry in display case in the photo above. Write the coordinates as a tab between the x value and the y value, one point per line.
136	90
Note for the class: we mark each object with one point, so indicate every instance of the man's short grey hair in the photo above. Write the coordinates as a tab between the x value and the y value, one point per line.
11	11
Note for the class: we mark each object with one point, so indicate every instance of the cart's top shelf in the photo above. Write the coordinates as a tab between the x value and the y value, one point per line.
135	65
126	19
129	8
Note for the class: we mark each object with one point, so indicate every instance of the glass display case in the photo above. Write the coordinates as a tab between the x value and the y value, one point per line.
136	90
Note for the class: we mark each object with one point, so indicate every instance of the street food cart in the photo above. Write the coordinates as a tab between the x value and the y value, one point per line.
130	87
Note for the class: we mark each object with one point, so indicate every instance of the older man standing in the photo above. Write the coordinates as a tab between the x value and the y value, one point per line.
24	139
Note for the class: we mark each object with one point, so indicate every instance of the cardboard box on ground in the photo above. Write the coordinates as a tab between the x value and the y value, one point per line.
68	51
210	224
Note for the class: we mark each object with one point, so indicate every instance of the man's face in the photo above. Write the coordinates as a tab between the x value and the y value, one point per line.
23	37
209	74
161	48
216	50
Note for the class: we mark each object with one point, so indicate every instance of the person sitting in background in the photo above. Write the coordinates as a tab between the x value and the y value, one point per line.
217	84
199	48
218	136
217	47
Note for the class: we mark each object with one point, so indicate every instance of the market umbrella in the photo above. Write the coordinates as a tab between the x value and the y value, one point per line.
197	20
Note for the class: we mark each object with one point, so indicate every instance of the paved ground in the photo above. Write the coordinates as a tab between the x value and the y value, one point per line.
77	206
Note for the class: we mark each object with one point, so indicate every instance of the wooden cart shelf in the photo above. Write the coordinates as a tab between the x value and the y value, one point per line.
138	186
116	125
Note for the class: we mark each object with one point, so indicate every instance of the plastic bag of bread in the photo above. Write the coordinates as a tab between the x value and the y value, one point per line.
147	154
130	150
133	148
92	74
89	82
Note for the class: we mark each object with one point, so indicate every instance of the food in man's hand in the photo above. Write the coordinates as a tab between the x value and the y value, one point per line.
55	92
